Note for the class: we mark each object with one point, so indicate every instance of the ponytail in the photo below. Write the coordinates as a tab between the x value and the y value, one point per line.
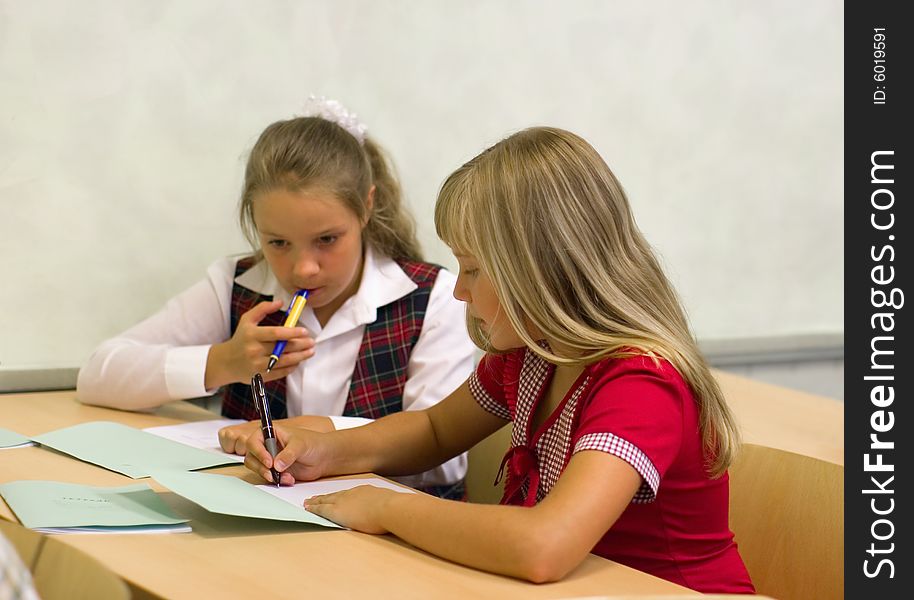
391	229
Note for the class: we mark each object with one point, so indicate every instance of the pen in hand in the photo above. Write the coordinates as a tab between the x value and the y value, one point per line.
266	421
292	315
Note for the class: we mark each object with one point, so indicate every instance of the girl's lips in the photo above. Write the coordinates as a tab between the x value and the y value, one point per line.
311	291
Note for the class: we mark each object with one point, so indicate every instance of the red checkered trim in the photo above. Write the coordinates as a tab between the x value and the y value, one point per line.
613	444
532	378
485	400
553	447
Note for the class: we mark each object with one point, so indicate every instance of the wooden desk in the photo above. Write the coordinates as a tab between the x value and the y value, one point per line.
231	557
786	419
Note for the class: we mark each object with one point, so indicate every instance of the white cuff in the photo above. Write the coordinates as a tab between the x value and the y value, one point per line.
349	422
185	370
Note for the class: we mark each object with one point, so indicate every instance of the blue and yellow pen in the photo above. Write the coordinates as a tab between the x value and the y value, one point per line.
292	315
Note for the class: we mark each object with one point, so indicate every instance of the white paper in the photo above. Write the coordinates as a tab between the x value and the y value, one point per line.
298	493
199	434
23	445
179	528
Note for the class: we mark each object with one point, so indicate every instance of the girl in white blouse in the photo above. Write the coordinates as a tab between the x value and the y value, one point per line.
381	331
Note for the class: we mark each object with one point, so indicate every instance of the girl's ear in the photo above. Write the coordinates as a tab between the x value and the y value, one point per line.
369	205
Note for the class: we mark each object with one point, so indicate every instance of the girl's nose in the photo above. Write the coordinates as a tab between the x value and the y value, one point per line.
306	266
460	290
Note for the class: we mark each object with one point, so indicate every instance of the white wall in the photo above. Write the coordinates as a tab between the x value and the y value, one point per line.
124	125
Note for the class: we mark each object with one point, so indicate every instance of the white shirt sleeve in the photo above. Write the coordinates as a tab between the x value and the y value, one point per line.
441	361
442	358
163	358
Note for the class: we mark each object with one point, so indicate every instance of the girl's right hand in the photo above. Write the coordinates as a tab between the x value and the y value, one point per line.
248	351
305	455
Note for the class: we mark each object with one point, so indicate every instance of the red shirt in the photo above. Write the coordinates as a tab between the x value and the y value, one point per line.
643	412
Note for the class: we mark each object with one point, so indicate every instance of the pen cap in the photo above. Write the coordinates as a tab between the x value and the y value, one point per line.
259	393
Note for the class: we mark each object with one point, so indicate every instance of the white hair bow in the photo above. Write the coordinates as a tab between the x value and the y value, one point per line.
335	112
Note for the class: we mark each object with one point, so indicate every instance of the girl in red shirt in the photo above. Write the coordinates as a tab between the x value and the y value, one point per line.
621	437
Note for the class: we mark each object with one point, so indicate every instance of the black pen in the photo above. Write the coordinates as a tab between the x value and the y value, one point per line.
266	421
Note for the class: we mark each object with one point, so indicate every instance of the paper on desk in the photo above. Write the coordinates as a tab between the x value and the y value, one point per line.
127	450
11	439
199	434
54	507
229	495
298	493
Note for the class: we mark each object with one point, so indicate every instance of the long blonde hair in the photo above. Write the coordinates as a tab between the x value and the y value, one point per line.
311	152
551	226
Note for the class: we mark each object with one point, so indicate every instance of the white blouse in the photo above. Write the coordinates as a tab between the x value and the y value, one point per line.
163	358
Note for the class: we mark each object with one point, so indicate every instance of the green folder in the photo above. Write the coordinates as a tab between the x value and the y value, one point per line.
229	495
127	450
10	439
55	507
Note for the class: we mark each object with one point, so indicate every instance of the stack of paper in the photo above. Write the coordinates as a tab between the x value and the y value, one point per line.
53	507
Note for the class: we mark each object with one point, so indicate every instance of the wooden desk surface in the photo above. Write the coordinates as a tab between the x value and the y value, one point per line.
786	419
228	557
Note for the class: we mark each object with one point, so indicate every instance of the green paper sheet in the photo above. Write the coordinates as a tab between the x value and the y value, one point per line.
228	495
52	505
9	439
127	450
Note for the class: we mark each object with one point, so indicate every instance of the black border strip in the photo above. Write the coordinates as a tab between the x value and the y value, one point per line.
878	366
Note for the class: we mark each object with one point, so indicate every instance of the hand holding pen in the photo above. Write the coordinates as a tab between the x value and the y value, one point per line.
305	455
247	351
305	452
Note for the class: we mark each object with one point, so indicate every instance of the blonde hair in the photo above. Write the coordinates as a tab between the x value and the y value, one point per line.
311	152
551	226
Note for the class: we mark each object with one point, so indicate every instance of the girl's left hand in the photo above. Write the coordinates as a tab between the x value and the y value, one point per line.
234	438
360	508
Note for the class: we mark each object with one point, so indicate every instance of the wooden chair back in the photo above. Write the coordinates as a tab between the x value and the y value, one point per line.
62	572
26	542
482	466
787	515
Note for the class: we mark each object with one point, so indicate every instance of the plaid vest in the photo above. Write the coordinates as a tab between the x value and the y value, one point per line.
379	376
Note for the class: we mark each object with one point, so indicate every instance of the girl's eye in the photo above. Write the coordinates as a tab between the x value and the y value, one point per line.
326	240
278	244
470	272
